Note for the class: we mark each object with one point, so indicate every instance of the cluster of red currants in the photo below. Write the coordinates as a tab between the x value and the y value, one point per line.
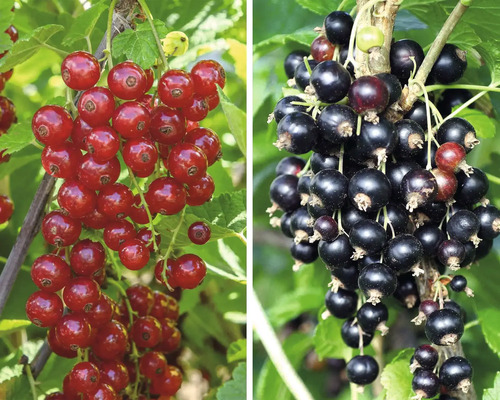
382	200
159	141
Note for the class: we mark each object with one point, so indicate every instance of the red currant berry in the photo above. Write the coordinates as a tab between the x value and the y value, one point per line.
44	309
322	49
115	201
117	232
166	196
4	157
146	332
168	126
141	299
80	132
197	109
150	78
69	392
190	125
187	163
208	141
57	347
73	331
50	273
152	363
97	176
146	236
167	384
175	88
145	173
206	75
87	257
103	392
96	106
7	114
149	101
6	209
52	125
134	254
95	220
111	341
84	377
13	33
450	157
100	276
81	294
103	143
212	101
76	199
127	81
131	120
164	306
171	336
61	161
201	191
164	150
56	396
160	266
138	213
189	271
447	184
80	70
115	374
140	154
199	233
60	230
101	313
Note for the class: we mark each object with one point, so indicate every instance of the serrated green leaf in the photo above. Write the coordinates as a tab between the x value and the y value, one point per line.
23	49
293	304
396	377
236	387
18	137
324	7
237	351
490	325
6	16
484	125
494	392
12	325
464	37
302	37
139	45
327	340
15	163
5	42
236	119
490	52
84	24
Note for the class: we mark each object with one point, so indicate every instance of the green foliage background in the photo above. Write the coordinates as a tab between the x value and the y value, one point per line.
213	316
279	28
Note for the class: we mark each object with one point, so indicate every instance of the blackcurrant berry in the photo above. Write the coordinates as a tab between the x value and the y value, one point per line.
470	254
351	216
456	373
464	227
304	252
372	317
450	65
320	162
302	76
376	140
451	98
377	281
285	225
418	114
285	106
341	304
325	228
297	133
301	224
431	238
284	193
337	253
352	336
411	139
403	253
368	94
397	217
451	253
406	57
458	130
369	190
407	291
419	187
489	221
425	384
331	81
471	189
426	357
458	283
483	249
367	237
362	370
337	123
346	276
393	86
444	327
292	61
328	189
396	172
338	26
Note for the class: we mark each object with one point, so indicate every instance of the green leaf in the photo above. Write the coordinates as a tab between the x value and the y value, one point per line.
237	351
15	163
5	42
302	37
490	325
494	392
236	387
6	16
490	53
327	340
324	7
23	49
84	24
12	325
396	376
18	137
236	119
412	4
295	303
484	125
139	45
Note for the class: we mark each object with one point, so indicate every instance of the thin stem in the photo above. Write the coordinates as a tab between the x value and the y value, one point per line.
469	102
89	44
432	88
275	351
341	159
493	178
471	324
429	126
37	145
62	53
171	245
342	5
308	67
109	33
354	391
31	381
306	168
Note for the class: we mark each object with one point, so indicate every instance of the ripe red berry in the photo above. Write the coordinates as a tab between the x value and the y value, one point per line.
52	125
115	201
13	33
76	199
95	220
115	374
160	266
187	163
206	75
168	126
8	113
149	101
175	88
127	81
201	191
80	132
69	392
150	78
140	154
322	49
450	157
141	299
131	120
138	213
134	254
81	294
6	208
57	347
111	341
96	106
199	233
87	257
84	377
164	306
152	363
44	309
190	125
50	273
56	396
80	70
208	141
97	175
146	332
60	230
166	196
146	236
103	392
103	143
117	232
171	336
189	271
101	313
61	161
73	331
167	384
197	109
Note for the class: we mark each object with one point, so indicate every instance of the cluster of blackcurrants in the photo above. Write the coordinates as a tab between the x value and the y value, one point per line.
119	126
381	201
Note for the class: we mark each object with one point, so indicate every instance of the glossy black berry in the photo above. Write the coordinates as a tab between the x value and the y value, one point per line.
376	141
290	166
396	172
427	307
403	253
324	146
450	65
458	283
347	275
463	226
303	187
285	225
329	189
331	81
301	224
337	123
293	60
433	212
302	76
377	281
316	211
369	190
362	370
320	162
483	249
397	217
470	254
451	253
411	139
284	193
367	237
471	189
418	113
368	260
406	57
285	107
344	51
456	373
423	156
342	304
304	252
336	254
393	86
425	384
297	133
489	221
458	130
444	327
426	356
326	228
431	238
351	216
338	26
351	335
368	94
419	188
452	98
372	317
454	306
407	291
